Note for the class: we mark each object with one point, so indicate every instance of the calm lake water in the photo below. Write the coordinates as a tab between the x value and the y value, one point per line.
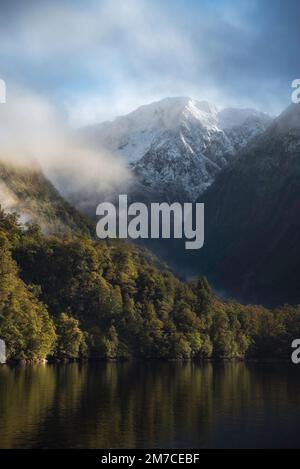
150	405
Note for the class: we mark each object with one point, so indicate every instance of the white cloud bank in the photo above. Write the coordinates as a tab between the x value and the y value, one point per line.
33	132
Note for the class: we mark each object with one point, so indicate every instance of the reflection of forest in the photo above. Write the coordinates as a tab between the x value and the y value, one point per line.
26	396
29	394
144	404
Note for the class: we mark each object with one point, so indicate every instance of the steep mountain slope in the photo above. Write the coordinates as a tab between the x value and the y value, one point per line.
252	218
26	190
177	146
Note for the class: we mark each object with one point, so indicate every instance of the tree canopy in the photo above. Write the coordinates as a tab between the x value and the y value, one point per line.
72	297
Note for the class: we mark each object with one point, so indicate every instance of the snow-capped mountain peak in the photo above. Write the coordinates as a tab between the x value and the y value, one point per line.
178	145
232	117
133	135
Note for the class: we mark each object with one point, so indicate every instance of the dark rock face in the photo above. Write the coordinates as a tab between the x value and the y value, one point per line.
253	218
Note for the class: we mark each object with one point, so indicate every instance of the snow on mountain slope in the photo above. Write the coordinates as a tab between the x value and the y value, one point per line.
177	146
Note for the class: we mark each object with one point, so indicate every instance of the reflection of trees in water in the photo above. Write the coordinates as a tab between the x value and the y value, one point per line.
29	395
150	404
25	397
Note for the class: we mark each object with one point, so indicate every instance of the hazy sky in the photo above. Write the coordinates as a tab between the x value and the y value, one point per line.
97	59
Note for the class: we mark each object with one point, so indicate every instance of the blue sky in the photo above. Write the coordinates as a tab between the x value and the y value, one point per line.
97	59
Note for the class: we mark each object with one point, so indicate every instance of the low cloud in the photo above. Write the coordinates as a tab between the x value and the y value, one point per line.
34	133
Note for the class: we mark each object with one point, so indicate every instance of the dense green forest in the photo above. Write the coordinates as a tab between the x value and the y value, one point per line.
72	297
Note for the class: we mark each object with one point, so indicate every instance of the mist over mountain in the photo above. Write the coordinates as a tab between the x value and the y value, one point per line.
40	156
26	191
177	146
242	164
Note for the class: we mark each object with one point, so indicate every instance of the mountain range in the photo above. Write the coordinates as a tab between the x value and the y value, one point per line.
177	146
242	164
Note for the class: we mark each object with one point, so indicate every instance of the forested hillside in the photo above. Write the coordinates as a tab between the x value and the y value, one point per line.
252	219
28	192
72	297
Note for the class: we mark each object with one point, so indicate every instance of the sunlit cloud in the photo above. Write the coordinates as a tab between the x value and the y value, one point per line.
99	59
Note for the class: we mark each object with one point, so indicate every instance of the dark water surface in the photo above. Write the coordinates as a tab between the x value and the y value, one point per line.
150	405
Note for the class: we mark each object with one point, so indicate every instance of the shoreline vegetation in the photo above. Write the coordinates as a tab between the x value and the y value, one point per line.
69	298
107	360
